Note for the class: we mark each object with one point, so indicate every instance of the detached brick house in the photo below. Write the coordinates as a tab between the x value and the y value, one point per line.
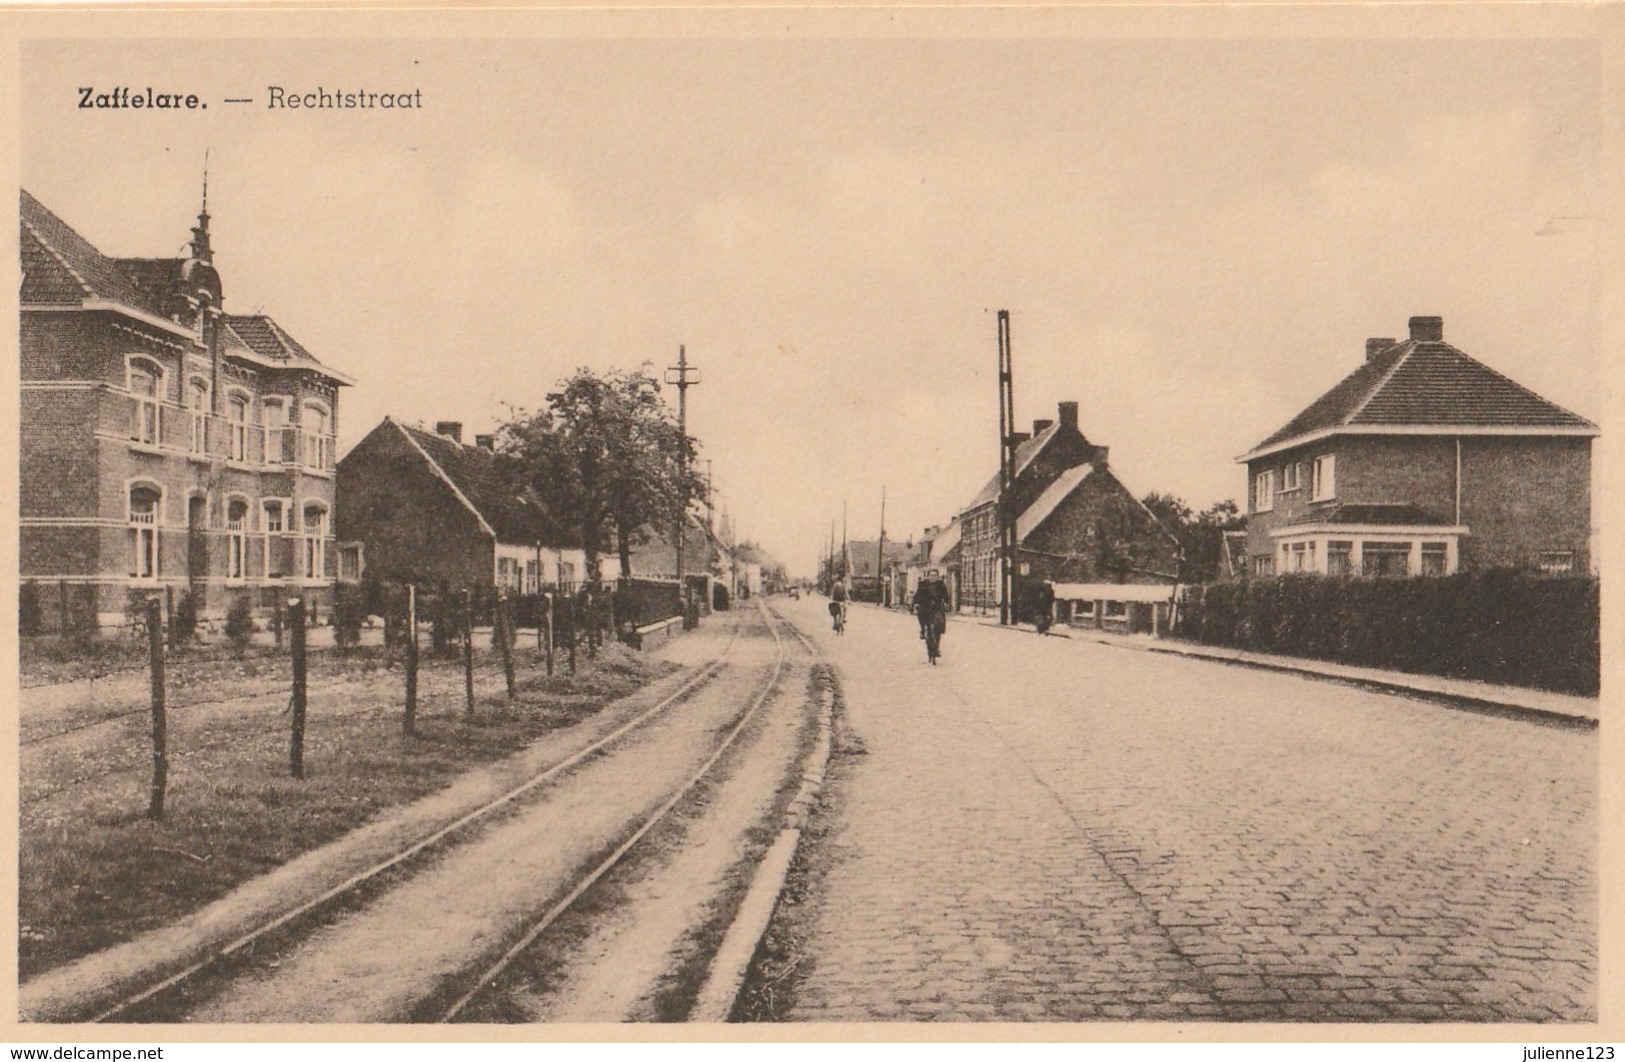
1077	526
1422	461
166	445
425	507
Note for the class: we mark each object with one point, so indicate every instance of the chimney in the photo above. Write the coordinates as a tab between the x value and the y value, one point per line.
1427	329
1068	412
451	429
1019	437
1041	426
486	442
1373	347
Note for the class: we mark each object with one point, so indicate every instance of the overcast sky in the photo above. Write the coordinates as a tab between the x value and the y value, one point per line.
1194	238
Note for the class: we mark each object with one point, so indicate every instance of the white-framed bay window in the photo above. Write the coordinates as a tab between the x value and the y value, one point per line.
1375	551
316	430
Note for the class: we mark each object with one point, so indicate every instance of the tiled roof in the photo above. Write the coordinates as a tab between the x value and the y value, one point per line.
1382	515
1047	502
1025	453
59	265
62	267
472	470
863	551
1426	383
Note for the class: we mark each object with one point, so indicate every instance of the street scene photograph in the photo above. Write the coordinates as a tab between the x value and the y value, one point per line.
1085	520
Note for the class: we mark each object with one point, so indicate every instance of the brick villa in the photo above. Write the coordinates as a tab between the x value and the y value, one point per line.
1422	461
166	445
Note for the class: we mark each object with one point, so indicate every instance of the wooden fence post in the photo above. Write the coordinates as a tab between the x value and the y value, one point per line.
296	749
549	618
169	613
276	618
409	722
504	628
62	606
160	723
575	632
468	650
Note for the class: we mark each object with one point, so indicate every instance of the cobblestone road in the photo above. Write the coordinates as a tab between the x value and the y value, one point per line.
1046	829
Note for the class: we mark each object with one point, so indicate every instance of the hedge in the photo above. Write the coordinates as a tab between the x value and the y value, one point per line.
1504	626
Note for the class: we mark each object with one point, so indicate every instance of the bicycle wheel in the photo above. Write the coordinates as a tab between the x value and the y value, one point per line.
933	643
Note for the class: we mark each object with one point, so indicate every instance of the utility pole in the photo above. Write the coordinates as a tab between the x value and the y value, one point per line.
1007	475
684	377
846	550
880	554
831	584
710	513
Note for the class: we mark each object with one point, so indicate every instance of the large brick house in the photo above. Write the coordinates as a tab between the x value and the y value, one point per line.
425	507
1422	461
1077	526
166	445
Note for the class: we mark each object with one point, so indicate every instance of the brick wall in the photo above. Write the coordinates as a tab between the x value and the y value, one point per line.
1100	533
412	525
1522	496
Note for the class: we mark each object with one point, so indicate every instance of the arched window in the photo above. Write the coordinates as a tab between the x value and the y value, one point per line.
146	504
317	425
236	538
274	416
274	522
237	422
145	382
315	536
197	415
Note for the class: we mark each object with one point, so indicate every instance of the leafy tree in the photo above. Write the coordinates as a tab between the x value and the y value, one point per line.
1201	535
605	458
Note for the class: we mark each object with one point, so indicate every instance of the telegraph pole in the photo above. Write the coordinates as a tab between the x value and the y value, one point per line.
1007	474
684	376
880	553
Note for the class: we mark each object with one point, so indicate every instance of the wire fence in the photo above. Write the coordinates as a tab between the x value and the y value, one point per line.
425	628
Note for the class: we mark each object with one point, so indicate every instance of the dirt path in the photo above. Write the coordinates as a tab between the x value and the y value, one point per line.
674	902
416	941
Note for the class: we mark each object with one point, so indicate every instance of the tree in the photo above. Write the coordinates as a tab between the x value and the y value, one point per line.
1201	535
605	458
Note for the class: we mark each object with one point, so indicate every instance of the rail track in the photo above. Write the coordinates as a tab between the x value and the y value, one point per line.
163	999
148	1003
488	976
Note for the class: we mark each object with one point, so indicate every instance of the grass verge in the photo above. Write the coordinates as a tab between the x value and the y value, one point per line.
94	871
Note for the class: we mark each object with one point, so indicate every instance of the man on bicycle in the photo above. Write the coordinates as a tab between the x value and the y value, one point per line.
837	604
931	602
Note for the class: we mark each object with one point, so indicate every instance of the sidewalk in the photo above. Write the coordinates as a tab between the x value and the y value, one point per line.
1517	699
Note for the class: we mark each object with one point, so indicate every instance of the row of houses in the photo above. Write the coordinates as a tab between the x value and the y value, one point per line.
1422	461
170	446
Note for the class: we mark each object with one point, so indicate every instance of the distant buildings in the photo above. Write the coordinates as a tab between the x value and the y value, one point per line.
1422	461
166	446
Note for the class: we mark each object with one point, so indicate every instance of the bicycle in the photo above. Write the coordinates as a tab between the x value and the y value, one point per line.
933	639
837	610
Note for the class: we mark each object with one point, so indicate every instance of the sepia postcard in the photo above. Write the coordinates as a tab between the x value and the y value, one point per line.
1082	523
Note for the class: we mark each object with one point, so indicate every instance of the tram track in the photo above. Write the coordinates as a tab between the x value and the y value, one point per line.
485	981
215	986
155	997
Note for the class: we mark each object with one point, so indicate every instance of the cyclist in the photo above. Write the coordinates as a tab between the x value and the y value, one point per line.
837	604
931	602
